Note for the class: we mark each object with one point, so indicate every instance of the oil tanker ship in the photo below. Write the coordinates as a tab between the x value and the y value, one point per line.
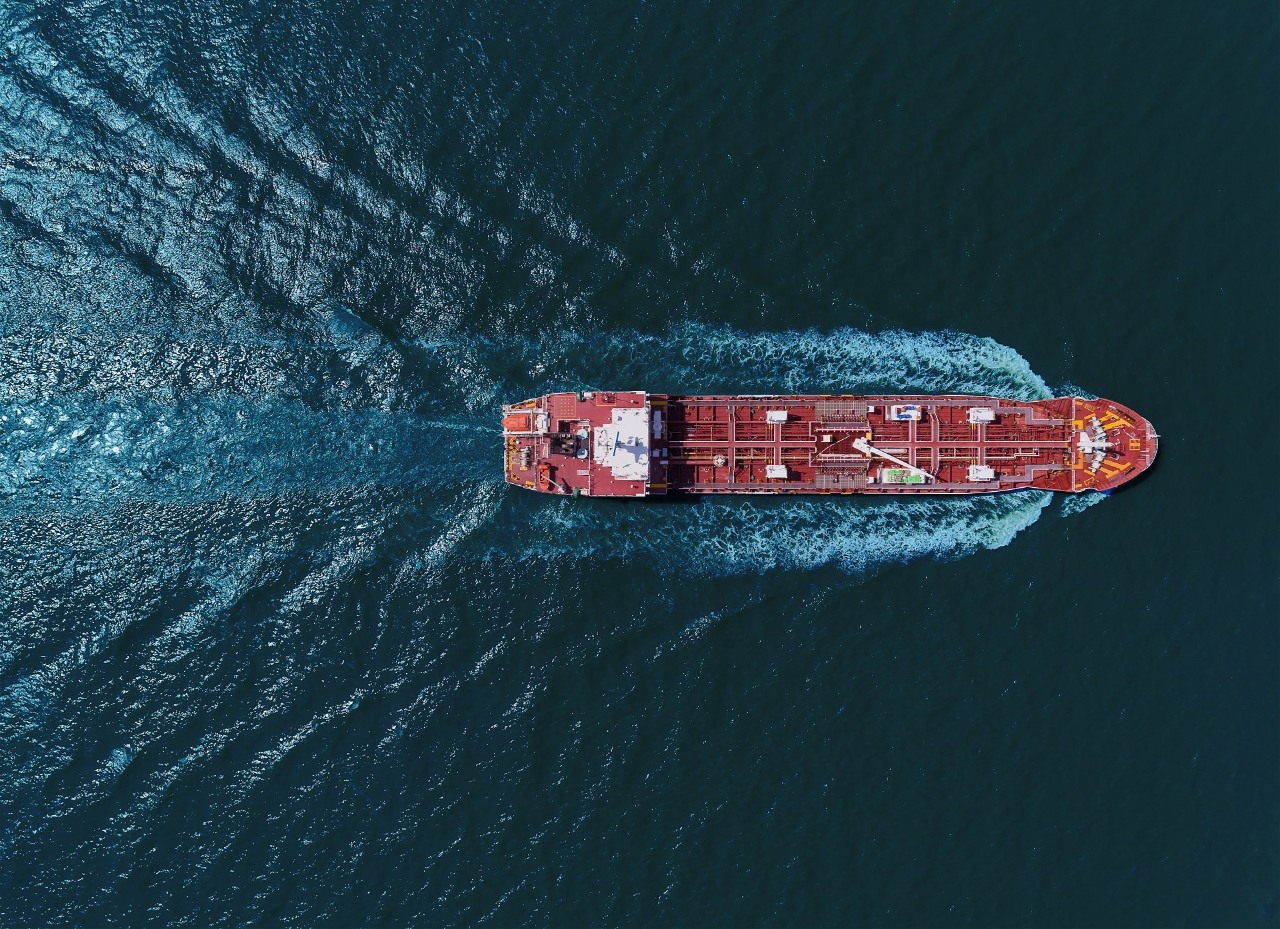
636	444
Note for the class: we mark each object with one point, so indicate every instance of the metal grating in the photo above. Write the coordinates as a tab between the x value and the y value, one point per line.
844	410
841	480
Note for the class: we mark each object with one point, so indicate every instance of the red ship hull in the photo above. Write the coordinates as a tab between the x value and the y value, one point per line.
633	444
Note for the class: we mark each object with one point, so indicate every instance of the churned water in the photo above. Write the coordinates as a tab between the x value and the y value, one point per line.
277	645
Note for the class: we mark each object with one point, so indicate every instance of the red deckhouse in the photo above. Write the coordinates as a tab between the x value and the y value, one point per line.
633	444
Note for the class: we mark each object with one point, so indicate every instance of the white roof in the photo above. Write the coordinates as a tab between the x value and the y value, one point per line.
623	445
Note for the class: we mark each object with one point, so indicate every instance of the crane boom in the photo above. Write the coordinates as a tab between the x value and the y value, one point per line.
867	448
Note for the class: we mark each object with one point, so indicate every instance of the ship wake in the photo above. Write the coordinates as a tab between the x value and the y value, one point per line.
722	536
704	358
102	422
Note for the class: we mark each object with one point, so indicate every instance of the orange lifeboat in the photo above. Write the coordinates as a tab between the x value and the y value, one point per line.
517	422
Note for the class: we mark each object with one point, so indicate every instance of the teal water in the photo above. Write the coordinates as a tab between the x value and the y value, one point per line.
277	646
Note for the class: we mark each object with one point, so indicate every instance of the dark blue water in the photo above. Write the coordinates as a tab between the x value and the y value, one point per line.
277	646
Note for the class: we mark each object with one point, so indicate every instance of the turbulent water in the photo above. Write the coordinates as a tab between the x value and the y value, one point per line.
167	422
277	645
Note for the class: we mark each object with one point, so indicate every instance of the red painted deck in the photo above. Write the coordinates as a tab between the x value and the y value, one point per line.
632	444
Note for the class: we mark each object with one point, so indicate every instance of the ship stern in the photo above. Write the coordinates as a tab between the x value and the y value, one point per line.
595	443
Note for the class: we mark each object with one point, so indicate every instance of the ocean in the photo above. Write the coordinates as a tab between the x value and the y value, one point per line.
279	647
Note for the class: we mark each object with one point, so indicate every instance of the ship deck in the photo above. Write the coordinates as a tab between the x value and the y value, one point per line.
635	444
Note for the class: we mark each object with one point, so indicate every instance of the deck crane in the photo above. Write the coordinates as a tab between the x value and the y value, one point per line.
865	446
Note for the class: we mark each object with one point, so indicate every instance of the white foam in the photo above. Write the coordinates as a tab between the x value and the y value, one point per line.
1079	502
159	447
704	358
719	536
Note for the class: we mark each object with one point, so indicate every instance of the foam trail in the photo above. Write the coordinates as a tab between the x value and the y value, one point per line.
1078	503
719	536
73	452
704	358
103	418
143	417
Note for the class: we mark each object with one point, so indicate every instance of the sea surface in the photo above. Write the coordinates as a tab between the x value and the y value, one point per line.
279	647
